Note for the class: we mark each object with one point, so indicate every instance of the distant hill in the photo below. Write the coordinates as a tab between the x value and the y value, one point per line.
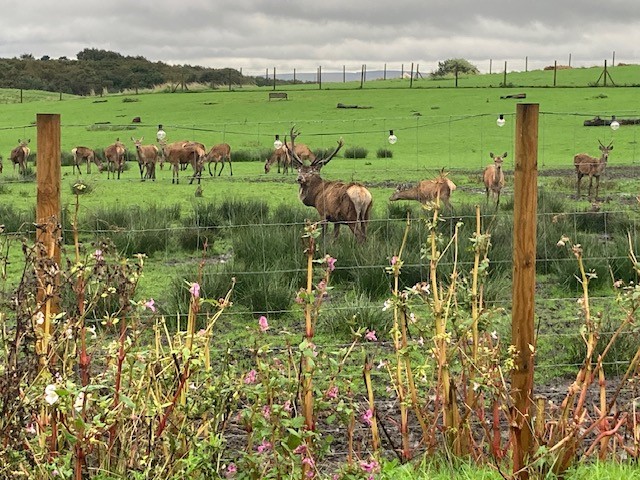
332	77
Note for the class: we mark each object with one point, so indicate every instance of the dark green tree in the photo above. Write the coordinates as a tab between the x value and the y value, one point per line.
453	66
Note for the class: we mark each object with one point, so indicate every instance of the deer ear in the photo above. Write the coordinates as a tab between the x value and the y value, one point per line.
491	154
504	154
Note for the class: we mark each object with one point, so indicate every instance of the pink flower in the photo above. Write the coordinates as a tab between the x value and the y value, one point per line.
371	336
150	304
331	263
394	260
369	467
287	406
309	462
264	446
98	255
195	290
250	378
367	416
322	285
231	470
266	412
300	449
263	323
332	393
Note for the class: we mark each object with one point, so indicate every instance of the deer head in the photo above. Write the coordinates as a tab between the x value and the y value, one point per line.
605	150
498	160
304	171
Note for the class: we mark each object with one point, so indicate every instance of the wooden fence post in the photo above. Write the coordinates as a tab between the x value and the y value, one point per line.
525	209
48	222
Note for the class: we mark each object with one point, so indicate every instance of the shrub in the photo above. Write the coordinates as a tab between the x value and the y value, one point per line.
384	153
352	312
356	152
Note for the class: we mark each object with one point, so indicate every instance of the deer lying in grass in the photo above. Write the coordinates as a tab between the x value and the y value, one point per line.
437	190
115	156
336	202
190	153
20	155
593	167
493	177
218	154
85	154
147	159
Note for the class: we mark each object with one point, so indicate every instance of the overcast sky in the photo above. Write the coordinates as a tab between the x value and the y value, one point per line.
256	35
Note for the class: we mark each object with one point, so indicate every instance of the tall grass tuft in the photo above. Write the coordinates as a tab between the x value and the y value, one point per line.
133	229
356	152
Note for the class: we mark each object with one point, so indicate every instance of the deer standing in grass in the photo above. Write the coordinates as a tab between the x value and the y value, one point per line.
335	201
493	177
593	167
115	155
436	190
282	156
147	159
218	154
20	155
85	154
190	153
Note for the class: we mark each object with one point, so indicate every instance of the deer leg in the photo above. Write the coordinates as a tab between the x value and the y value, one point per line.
230	168
210	174
221	167
597	186
336	230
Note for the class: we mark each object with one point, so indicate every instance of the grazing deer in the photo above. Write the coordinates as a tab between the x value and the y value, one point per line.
115	156
20	155
218	154
190	153
147	159
587	165
280	157
0	163
336	202
437	190
85	154
493	177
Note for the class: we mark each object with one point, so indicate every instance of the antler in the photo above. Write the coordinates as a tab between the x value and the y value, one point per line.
321	162
295	159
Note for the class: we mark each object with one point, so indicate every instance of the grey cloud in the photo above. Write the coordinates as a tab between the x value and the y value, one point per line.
259	34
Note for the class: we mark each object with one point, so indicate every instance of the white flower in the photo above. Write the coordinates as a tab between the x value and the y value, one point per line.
50	394
39	318
92	331
387	305
77	405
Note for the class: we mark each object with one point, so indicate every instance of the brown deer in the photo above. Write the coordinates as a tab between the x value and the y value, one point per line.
115	156
437	190
335	201
190	153
85	154
20	155
493	177
147	159
593	167
280	157
218	154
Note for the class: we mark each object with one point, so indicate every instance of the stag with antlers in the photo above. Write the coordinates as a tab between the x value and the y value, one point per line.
335	201
593	167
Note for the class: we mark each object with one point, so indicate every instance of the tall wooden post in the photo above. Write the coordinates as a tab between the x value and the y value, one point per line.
525	208
411	79
504	81
274	78
47	221
555	72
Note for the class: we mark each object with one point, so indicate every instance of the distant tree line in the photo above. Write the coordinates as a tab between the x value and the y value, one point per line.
96	71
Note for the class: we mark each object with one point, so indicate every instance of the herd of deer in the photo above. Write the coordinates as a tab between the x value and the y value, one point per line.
336	202
178	154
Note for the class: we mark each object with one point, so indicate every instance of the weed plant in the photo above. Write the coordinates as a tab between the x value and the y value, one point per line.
355	152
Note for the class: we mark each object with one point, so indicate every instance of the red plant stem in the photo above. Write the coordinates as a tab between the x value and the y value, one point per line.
165	417
116	394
